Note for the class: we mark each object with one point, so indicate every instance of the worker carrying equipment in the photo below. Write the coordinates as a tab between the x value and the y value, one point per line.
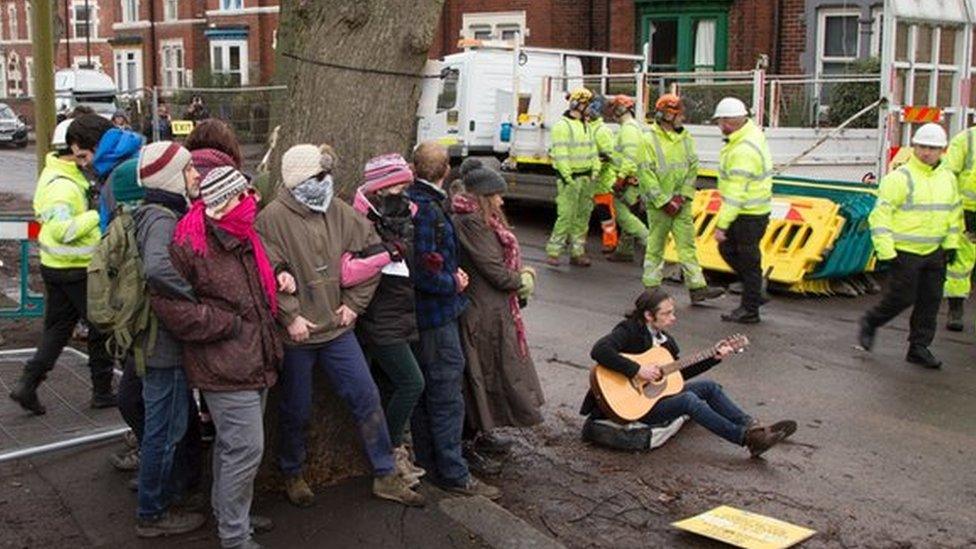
602	202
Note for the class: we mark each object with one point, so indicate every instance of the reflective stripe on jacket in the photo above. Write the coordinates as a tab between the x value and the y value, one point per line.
69	228
918	211
673	165
745	178
572	150
961	160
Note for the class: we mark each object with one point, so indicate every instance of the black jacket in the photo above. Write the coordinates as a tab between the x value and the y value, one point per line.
632	337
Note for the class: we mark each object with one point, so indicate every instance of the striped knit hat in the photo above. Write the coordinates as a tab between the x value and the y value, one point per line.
220	187
161	167
385	171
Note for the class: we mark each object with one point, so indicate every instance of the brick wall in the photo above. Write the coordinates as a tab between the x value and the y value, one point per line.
792	37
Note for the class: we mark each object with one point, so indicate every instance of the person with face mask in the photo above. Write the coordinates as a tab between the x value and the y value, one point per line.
668	187
231	349
309	231
389	324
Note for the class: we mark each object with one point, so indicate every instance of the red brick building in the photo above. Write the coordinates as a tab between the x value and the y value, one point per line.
145	43
687	34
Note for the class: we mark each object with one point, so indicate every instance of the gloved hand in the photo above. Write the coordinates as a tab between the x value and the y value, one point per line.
673	206
885	264
525	291
396	248
622	183
950	256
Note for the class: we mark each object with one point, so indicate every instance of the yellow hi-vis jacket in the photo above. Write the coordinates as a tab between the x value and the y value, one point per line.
603	138
69	228
960	159
918	211
572	151
629	153
745	178
673	165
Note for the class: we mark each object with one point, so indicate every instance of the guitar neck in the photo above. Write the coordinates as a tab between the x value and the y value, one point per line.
683	363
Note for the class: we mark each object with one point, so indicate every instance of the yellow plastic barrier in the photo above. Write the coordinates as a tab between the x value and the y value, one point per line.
801	230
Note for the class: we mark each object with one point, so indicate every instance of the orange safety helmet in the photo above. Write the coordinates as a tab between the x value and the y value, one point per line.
669	103
621	102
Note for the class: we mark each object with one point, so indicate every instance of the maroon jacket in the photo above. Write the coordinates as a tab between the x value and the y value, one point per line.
229	336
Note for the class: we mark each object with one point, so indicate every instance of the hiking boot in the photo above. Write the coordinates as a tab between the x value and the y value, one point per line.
760	439
405	466
741	316
299	494
580	261
552	260
261	524
922	356
494	444
481	463
170	524
865	337
621	257
787	427
394	488
701	295
954	322
475	487
25	394
127	461
104	400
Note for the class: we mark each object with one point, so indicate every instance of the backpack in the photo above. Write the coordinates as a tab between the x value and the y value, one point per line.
118	299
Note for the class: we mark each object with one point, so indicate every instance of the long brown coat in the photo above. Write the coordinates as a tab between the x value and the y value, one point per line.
501	387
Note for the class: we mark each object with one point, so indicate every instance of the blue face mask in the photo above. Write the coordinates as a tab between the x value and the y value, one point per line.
315	193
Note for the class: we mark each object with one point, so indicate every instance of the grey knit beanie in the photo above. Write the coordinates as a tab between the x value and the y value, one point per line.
481	180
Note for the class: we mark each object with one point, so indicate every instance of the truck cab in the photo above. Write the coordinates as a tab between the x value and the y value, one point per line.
91	88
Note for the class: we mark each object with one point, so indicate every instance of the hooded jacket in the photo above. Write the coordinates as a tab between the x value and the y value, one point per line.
115	147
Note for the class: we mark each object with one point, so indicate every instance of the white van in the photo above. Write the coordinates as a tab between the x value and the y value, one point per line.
91	88
470	107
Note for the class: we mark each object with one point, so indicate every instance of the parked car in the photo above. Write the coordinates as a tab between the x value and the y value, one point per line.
13	131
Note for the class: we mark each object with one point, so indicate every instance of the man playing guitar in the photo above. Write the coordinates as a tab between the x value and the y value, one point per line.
703	400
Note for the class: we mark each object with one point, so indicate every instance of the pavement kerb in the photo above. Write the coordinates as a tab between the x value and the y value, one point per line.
494	524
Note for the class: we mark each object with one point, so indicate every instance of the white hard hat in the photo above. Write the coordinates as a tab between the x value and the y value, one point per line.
730	107
930	135
59	140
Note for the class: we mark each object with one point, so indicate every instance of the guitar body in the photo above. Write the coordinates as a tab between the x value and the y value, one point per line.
624	399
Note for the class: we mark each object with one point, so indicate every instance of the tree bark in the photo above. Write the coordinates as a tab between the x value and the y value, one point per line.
361	114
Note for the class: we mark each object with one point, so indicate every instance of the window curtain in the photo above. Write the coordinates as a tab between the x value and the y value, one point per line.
704	46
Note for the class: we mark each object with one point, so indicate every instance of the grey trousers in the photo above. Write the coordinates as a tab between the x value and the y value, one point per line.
239	444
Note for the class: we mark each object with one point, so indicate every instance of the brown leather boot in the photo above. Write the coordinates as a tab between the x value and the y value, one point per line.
299	493
580	261
760	439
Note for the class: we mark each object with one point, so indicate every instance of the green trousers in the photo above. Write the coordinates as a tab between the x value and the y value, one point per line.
682	228
631	226
959	273
574	204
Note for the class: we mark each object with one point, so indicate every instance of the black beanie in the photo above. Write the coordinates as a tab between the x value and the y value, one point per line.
481	180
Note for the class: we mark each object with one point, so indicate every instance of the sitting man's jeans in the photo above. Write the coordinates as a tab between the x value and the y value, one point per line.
707	404
167	403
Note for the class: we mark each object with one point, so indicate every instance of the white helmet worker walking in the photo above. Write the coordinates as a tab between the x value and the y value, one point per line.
931	135
730	107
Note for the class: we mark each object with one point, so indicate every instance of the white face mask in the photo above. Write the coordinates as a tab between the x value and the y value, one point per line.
315	193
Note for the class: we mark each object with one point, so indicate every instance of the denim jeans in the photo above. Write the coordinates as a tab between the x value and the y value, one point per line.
707	404
438	418
167	400
342	360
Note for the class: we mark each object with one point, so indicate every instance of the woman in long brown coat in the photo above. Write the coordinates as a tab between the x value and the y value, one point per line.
501	385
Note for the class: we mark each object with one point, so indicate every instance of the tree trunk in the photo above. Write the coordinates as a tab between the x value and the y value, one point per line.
361	114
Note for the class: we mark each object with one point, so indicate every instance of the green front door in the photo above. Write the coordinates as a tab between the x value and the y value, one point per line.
687	36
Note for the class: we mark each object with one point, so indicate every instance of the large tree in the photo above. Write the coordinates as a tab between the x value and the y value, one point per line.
352	68
357	83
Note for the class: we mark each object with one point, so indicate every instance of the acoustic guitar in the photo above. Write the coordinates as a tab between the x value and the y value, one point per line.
625	399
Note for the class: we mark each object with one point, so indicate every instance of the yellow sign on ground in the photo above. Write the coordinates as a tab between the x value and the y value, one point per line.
181	127
744	529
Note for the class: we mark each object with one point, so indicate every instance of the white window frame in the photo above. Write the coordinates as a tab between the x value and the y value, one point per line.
934	68
29	68
12	21
129	10
15	76
92	20
27	19
173	77
231	5
822	16
171	10
495	22
121	61
877	28
225	46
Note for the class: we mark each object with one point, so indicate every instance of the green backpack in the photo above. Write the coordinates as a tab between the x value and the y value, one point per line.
118	299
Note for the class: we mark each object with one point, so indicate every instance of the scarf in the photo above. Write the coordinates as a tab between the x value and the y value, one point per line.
172	201
463	203
315	194
239	223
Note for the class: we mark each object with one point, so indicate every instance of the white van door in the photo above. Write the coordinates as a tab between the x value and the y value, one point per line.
443	123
